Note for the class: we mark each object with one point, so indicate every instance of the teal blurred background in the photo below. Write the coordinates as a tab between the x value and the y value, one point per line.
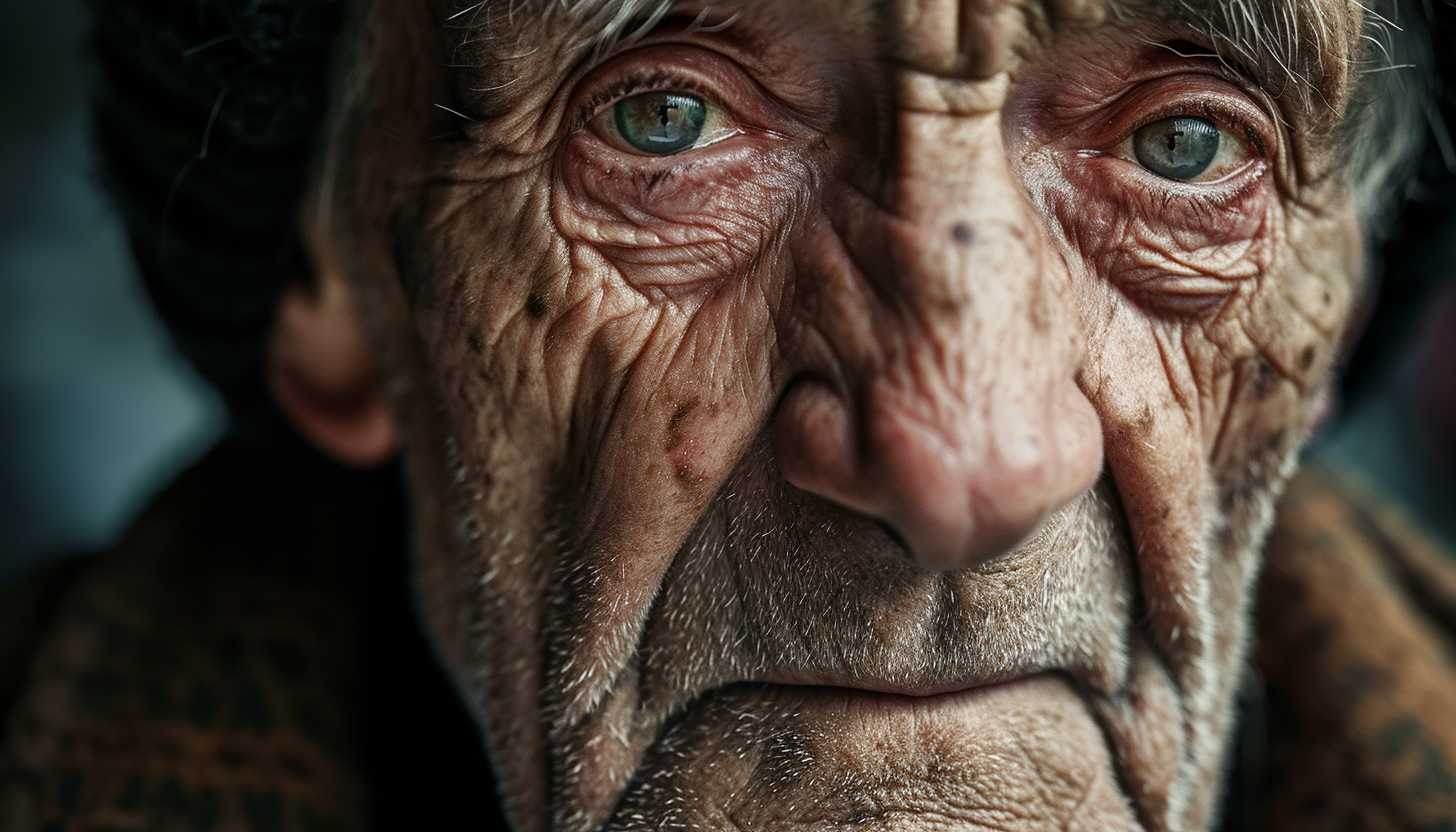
96	410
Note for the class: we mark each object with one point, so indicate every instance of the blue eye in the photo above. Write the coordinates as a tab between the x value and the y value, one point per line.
661	123
1179	148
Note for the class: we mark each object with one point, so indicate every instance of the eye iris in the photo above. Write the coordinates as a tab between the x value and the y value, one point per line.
661	122
1179	148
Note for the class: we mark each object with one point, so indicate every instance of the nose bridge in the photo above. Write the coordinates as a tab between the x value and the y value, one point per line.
961	425
974	312
969	39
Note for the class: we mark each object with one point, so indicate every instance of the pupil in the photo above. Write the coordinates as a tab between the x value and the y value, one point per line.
1179	148
661	123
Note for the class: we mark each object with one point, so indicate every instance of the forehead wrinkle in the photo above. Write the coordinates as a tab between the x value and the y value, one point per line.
1299	46
959	39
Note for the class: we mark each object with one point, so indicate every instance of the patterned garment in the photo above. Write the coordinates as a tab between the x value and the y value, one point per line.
204	675
1357	611
194	687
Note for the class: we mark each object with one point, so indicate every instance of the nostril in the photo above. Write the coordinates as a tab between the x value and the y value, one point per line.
896	538
950	493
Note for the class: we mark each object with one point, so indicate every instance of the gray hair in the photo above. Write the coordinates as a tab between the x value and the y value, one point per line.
1394	110
1393	103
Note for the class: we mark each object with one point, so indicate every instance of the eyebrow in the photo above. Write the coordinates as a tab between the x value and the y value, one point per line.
600	23
1300	46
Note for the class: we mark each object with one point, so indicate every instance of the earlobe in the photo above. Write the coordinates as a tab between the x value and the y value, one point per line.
325	378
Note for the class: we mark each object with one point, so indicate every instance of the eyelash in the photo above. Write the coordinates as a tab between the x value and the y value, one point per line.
1238	123
631	85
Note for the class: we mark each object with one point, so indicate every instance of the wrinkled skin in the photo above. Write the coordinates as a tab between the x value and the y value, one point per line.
899	460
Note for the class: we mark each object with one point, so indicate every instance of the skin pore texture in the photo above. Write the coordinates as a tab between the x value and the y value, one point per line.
898	458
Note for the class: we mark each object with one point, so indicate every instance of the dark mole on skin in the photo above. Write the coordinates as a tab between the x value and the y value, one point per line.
963	234
536	305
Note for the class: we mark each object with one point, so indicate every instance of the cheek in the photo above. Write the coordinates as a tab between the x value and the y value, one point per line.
684	225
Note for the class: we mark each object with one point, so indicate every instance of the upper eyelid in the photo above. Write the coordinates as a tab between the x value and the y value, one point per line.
1243	132
628	87
659	79
1133	110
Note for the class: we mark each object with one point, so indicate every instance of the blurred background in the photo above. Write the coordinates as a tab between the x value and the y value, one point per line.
97	411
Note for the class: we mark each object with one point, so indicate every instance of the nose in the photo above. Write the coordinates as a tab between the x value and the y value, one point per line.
951	410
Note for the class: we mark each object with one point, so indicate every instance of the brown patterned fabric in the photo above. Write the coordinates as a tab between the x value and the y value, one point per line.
203	675
200	676
1356	616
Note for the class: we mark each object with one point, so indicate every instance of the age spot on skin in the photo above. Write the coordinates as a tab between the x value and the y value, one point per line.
963	234
1144	424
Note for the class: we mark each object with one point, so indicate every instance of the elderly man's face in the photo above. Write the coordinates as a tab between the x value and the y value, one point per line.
850	411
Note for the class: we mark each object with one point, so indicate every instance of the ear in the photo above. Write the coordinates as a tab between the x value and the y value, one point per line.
324	375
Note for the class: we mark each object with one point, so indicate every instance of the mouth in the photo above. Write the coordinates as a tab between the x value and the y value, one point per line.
818	756
877	708
910	692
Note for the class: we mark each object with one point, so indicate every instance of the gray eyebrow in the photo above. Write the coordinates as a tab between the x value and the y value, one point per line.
599	24
1282	41
1298	46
